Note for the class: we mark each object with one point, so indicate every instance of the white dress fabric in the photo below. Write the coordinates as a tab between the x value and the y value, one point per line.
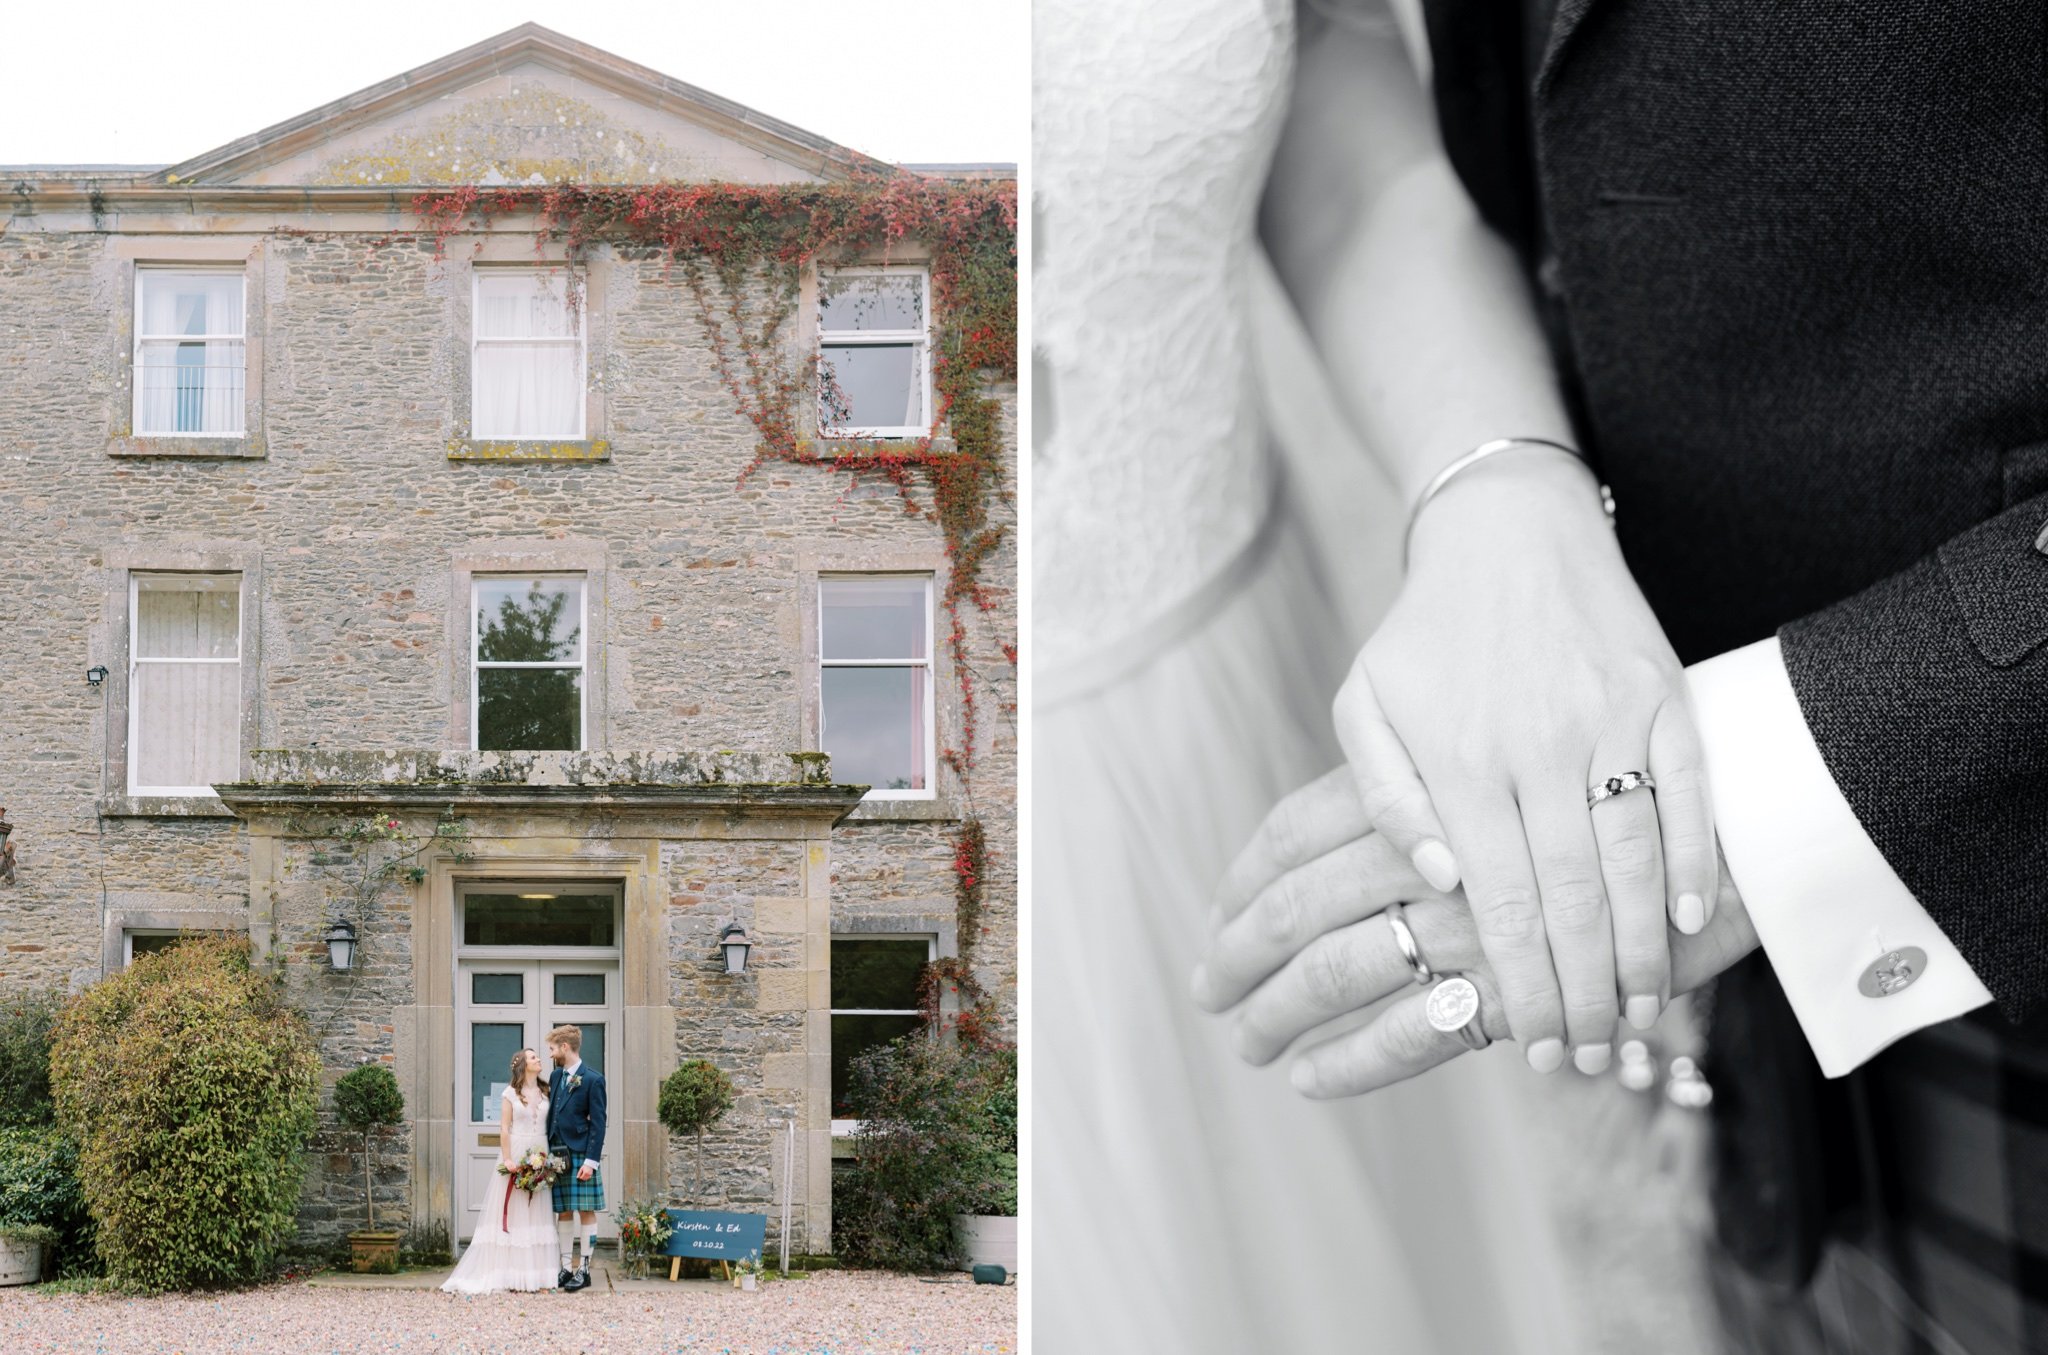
1211	545
520	1252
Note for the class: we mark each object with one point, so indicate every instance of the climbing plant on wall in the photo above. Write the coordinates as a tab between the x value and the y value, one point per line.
743	251
755	243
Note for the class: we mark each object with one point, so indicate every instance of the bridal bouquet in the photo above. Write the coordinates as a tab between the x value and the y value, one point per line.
533	1169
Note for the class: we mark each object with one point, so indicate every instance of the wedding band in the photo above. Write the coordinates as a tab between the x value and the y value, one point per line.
1453	1008
1397	920
1618	785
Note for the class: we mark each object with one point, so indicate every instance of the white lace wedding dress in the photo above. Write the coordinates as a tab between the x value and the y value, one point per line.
515	1245
1211	544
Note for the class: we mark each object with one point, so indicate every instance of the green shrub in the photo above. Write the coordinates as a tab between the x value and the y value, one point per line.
692	1098
39	1186
25	1022
367	1099
938	1137
192	1091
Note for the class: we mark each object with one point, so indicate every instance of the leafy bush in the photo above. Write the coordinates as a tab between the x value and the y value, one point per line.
25	1023
692	1098
367	1099
192	1091
39	1186
938	1137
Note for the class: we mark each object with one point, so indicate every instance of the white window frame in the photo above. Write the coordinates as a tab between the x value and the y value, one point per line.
135	660
135	368
837	338
929	664
847	1128
577	308
477	663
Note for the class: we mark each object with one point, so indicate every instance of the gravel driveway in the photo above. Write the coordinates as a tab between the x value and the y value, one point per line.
839	1313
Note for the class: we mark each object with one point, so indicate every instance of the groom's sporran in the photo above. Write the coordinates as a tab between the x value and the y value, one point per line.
576	1127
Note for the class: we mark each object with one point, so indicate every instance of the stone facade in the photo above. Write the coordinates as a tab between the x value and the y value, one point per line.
356	513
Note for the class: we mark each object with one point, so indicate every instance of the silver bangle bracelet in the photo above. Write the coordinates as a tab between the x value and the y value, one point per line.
1479	454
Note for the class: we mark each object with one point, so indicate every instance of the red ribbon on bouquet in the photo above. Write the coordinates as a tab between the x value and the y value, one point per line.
505	1213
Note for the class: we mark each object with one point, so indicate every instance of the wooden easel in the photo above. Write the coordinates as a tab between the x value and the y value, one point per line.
675	1268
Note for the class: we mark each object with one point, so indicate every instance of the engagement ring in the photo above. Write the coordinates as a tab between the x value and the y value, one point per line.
1617	785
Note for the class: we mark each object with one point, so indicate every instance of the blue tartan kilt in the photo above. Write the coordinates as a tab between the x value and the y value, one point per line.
573	1194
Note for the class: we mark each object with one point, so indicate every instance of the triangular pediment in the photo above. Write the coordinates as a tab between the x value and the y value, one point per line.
527	106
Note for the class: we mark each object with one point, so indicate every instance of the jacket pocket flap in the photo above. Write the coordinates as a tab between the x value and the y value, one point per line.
2000	581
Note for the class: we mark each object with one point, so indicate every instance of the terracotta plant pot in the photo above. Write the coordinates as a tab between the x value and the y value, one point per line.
374	1253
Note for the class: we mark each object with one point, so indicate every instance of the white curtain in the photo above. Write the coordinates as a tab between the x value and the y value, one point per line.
187	689
528	358
190	373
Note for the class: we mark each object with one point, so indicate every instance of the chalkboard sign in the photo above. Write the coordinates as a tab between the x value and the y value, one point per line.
707	1232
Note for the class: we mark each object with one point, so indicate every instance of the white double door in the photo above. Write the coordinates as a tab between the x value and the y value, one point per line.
505	1005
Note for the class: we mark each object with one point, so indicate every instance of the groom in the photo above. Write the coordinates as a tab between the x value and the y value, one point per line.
576	1121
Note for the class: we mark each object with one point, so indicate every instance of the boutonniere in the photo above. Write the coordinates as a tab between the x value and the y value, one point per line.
576	1081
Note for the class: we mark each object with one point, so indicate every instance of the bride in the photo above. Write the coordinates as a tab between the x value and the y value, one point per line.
1212	541
514	1246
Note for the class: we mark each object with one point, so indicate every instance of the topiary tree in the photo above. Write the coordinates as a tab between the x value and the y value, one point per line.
191	1090
368	1099
692	1099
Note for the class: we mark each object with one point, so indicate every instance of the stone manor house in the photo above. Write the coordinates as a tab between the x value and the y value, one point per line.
324	539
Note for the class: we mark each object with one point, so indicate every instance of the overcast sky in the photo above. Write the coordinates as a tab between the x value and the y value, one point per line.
128	83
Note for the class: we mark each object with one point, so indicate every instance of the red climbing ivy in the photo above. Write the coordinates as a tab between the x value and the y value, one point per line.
976	1021
755	242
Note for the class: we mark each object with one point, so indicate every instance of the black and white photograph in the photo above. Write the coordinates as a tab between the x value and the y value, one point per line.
1540	571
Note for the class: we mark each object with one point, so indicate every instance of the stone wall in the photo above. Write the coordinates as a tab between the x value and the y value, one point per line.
346	491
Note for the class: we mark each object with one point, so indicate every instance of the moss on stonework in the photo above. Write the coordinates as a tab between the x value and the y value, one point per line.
271	767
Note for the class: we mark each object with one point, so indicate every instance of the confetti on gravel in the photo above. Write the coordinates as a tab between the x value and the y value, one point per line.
826	1314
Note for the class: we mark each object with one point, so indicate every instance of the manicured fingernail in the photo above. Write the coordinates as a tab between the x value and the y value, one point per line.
1434	862
1592	1058
1690	914
1641	1010
1303	1076
1546	1056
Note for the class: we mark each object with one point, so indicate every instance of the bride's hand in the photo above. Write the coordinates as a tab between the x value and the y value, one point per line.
1301	941
1519	666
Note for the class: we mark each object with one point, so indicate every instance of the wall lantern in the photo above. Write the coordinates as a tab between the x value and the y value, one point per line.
733	941
341	945
95	675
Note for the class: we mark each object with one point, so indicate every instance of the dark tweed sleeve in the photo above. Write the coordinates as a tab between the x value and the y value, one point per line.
1928	696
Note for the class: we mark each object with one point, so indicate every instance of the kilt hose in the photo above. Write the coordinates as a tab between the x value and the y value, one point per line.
572	1194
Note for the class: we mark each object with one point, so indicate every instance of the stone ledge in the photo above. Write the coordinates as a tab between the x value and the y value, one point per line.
482	449
939	809
285	778
163	807
242	448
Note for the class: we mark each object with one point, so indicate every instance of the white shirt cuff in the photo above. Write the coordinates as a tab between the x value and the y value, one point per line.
1825	903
